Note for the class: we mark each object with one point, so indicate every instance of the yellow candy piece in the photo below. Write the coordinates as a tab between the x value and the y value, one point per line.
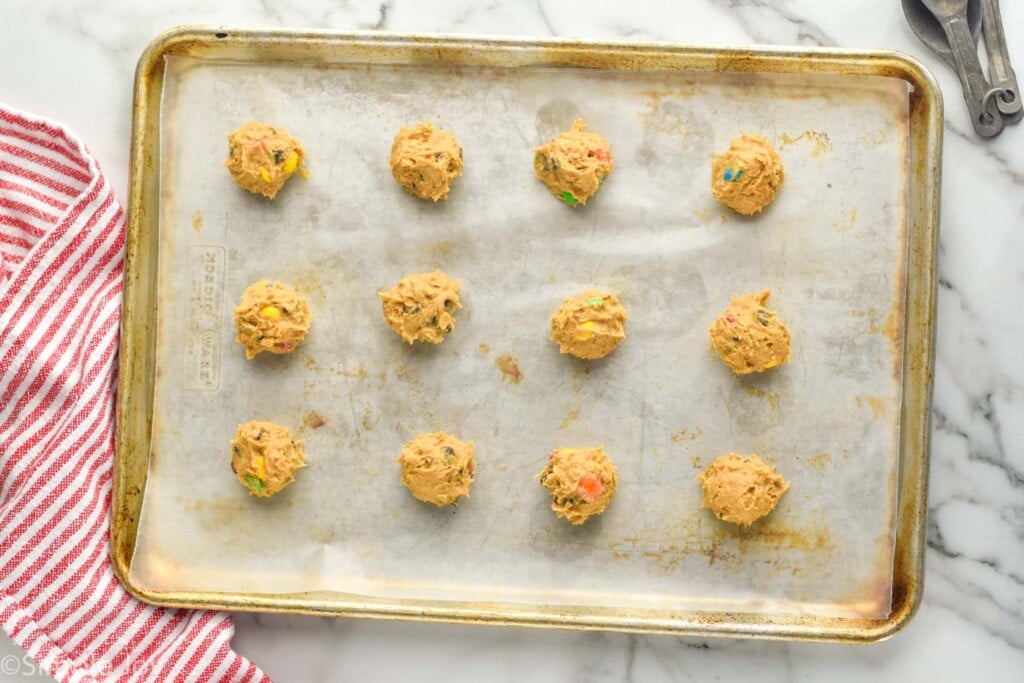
584	331
265	174
291	163
261	466
270	312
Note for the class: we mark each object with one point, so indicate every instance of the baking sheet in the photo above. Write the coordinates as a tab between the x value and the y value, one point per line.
831	248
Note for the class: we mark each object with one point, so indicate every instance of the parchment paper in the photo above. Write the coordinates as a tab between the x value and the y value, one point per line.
831	249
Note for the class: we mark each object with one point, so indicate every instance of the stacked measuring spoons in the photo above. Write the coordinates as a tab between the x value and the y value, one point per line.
951	29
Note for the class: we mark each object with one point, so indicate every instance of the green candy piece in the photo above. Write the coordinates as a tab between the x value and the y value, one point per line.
255	483
569	199
595	302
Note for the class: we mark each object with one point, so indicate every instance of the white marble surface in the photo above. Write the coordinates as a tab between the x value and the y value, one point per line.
74	62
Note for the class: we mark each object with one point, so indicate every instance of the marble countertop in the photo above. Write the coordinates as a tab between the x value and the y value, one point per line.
74	62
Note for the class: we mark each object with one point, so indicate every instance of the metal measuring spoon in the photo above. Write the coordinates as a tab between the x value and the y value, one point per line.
953	35
952	16
1003	79
929	30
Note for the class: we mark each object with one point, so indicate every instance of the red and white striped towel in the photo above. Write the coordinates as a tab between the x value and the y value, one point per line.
61	251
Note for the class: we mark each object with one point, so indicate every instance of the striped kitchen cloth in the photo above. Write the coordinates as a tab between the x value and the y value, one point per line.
61	251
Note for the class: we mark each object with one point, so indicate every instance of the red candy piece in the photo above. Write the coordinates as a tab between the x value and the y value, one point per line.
590	488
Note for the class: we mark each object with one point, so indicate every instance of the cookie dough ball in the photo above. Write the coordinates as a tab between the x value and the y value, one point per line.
262	158
574	164
422	307
749	337
437	468
741	489
590	325
425	161
581	482
271	317
265	457
748	175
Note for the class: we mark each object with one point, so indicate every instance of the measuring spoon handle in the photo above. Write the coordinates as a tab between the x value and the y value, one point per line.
986	119
1008	102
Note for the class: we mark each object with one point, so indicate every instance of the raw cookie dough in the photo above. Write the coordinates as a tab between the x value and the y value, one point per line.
749	337
425	161
741	489
421	307
262	158
574	164
437	468
590	325
265	457
581	481
271	318
748	175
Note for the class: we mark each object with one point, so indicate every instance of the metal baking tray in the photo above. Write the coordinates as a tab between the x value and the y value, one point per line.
848	249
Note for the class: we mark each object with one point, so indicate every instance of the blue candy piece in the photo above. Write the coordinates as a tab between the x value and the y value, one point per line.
733	175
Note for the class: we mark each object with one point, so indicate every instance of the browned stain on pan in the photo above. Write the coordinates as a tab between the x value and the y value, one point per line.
577	378
877	404
359	372
819	460
197	221
746	399
771	543
818	139
225	512
687	435
571	416
847	222
442	248
773	533
314	420
714	551
754	391
655	119
310	286
757	392
701	215
509	367
889	327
